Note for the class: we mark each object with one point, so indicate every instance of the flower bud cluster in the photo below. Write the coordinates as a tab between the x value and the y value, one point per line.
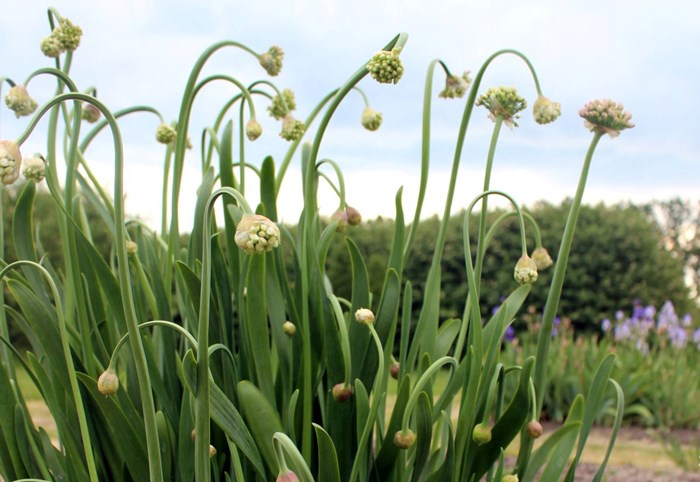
456	86
64	38
108	383
371	119
545	111
90	113
385	66
257	234
10	162
525	270
19	101
606	117
34	168
282	104
165	134
271	60
481	434
542	258
504	102
253	129
349	216
292	129
364	316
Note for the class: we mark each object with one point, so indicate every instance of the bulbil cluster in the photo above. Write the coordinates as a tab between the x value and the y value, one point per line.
504	102
385	66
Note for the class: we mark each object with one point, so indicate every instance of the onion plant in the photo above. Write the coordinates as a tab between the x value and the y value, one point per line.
227	354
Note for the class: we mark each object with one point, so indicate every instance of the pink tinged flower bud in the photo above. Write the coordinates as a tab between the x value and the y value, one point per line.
404	439
394	370
292	129
542	258
481	434
108	383
354	216
19	101
606	117
34	168
271	60
165	134
287	476
371	119
342	218
51	47
257	234
455	86
253	129
545	111
364	316
10	162
385	67
525	270
282	104
91	113
341	392
535	429
504	102
67	35
289	328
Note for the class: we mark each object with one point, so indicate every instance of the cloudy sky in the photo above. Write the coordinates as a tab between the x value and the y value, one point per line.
643	54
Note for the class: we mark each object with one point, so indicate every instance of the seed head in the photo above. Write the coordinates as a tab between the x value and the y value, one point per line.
545	111
10	162
504	102
287	476
166	134
354	216
108	383
481	434
34	168
91	113
341	392
525	270
606	116
456	86
271	60
67	35
404	439
19	101
51	47
292	129
542	258
282	104
534	429
257	234
371	119
289	328
253	129
364	316
385	66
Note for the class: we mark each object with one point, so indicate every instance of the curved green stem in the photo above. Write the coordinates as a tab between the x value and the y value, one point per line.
341	180
72	377
168	324
492	230
422	381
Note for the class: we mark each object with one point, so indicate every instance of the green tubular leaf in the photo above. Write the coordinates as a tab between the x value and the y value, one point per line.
328	470
203	193
129	444
191	282
424	434
396	253
262	419
27	446
562	451
185	448
442	462
540	456
256	326
53	457
447	333
508	309
619	412
361	406
359	335
13	463
165	435
388	455
267	188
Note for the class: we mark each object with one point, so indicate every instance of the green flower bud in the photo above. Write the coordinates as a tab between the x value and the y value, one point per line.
364	316
455	86
504	102
354	216
90	113
525	270
341	392
253	129
545	111
34	168
108	383
292	129
289	328
10	162
19	101
165	134
287	476
404	439
371	119
542	258
271	60
67	35
510	478
386	67
212	451
51	47
257	234
131	248
535	429
282	104
606	117
342	218
481	434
